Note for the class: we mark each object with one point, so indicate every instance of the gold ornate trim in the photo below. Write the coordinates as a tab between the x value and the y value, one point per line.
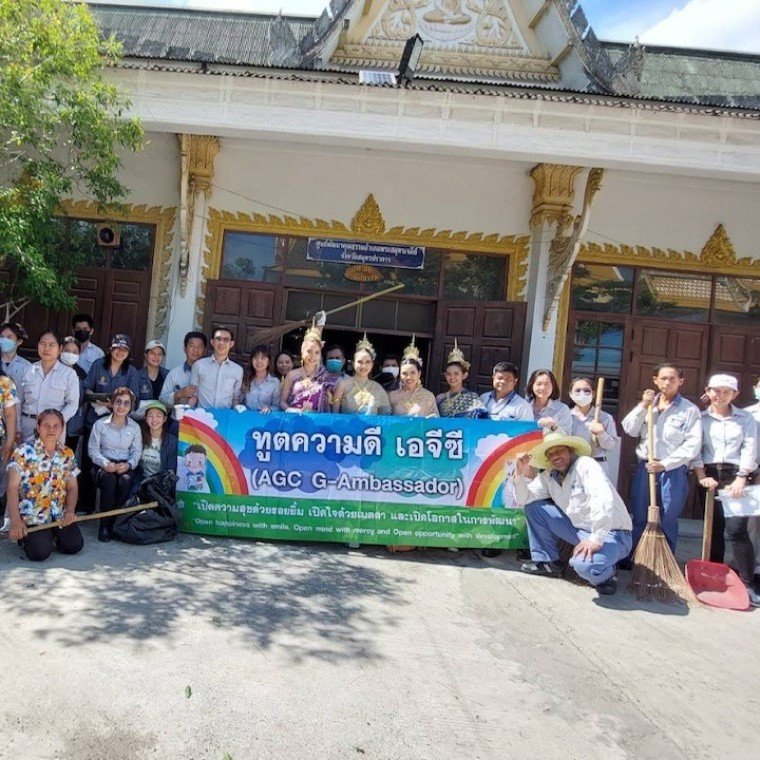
553	193
718	256
368	224
163	219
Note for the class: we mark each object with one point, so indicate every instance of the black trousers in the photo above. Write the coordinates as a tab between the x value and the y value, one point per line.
733	529
114	488
85	480
39	546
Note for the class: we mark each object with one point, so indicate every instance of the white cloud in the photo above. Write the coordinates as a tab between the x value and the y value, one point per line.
202	416
489	444
711	24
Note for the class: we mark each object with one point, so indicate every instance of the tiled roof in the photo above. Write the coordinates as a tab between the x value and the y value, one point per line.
697	76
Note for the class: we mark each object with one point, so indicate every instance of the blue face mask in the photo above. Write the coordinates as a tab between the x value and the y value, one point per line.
334	365
7	345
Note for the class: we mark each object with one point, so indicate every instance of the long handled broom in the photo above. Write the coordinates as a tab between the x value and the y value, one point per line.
656	574
95	516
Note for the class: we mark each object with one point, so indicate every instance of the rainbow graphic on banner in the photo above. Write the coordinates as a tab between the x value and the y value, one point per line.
223	470
486	487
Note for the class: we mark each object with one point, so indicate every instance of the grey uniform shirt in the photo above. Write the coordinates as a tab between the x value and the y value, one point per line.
585	495
559	411
59	389
677	432
115	443
88	355
728	440
264	395
218	384
177	379
511	407
16	368
606	442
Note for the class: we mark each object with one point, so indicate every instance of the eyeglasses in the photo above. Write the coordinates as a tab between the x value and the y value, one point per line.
122	402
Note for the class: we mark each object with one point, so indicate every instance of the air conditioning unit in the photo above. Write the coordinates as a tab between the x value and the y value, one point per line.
108	236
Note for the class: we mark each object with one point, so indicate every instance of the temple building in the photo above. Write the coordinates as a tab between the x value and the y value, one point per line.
543	196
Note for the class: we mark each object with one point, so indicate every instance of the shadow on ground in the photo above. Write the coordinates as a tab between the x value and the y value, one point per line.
263	591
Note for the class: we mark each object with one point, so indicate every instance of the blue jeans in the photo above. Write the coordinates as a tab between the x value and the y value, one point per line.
672	491
547	523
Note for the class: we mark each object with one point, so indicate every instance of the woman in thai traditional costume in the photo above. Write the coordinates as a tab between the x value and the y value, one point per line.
359	394
307	389
411	399
457	401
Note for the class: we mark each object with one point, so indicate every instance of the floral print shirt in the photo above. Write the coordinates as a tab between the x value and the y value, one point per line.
8	398
42	491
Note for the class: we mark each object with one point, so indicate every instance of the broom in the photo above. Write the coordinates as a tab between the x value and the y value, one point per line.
656	574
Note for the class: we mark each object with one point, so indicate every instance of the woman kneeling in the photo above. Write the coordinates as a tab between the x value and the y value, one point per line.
42	488
115	447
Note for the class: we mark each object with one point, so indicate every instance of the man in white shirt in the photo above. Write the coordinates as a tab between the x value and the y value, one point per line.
177	388
503	403
84	328
217	378
572	500
677	442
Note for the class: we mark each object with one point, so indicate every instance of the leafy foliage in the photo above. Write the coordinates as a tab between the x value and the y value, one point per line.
61	128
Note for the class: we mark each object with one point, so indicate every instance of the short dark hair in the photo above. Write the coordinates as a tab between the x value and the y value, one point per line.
667	365
196	448
391	358
16	328
196	334
534	376
334	347
54	333
506	367
223	328
82	318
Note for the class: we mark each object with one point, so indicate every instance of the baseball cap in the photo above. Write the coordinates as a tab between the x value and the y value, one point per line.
155	405
154	344
723	381
121	340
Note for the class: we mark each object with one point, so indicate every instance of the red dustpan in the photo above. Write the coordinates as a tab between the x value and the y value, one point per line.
714	583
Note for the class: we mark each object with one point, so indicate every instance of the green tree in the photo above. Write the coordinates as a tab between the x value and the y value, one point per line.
62	126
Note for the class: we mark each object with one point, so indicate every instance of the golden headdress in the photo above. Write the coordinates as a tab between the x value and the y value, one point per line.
412	352
457	357
365	345
313	333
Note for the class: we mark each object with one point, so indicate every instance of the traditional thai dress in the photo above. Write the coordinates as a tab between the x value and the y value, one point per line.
465	404
363	397
311	390
417	403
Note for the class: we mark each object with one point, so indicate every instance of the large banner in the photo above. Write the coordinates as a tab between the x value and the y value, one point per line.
351	478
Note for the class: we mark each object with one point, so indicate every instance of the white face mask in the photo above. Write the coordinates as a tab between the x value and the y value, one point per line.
69	358
582	398
392	371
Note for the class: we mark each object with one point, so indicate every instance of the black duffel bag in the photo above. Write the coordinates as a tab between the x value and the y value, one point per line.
150	526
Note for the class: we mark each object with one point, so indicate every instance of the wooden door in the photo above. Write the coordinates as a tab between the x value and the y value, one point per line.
246	308
736	350
487	332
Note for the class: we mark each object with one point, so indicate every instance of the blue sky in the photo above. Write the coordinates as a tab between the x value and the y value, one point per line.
716	24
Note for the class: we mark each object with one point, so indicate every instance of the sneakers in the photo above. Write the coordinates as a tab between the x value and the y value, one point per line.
547	569
607	588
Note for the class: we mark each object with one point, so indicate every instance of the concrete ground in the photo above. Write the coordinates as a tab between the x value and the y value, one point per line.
222	648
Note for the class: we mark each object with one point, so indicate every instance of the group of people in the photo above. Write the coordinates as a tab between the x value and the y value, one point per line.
82	423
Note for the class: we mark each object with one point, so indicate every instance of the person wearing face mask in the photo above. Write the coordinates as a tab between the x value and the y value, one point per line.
12	336
389	376
70	357
753	528
602	435
335	364
84	328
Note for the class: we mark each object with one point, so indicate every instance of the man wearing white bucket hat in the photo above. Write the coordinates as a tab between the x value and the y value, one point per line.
727	459
572	500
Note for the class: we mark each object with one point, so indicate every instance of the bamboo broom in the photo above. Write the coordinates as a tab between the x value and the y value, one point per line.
598	409
94	516
656	574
